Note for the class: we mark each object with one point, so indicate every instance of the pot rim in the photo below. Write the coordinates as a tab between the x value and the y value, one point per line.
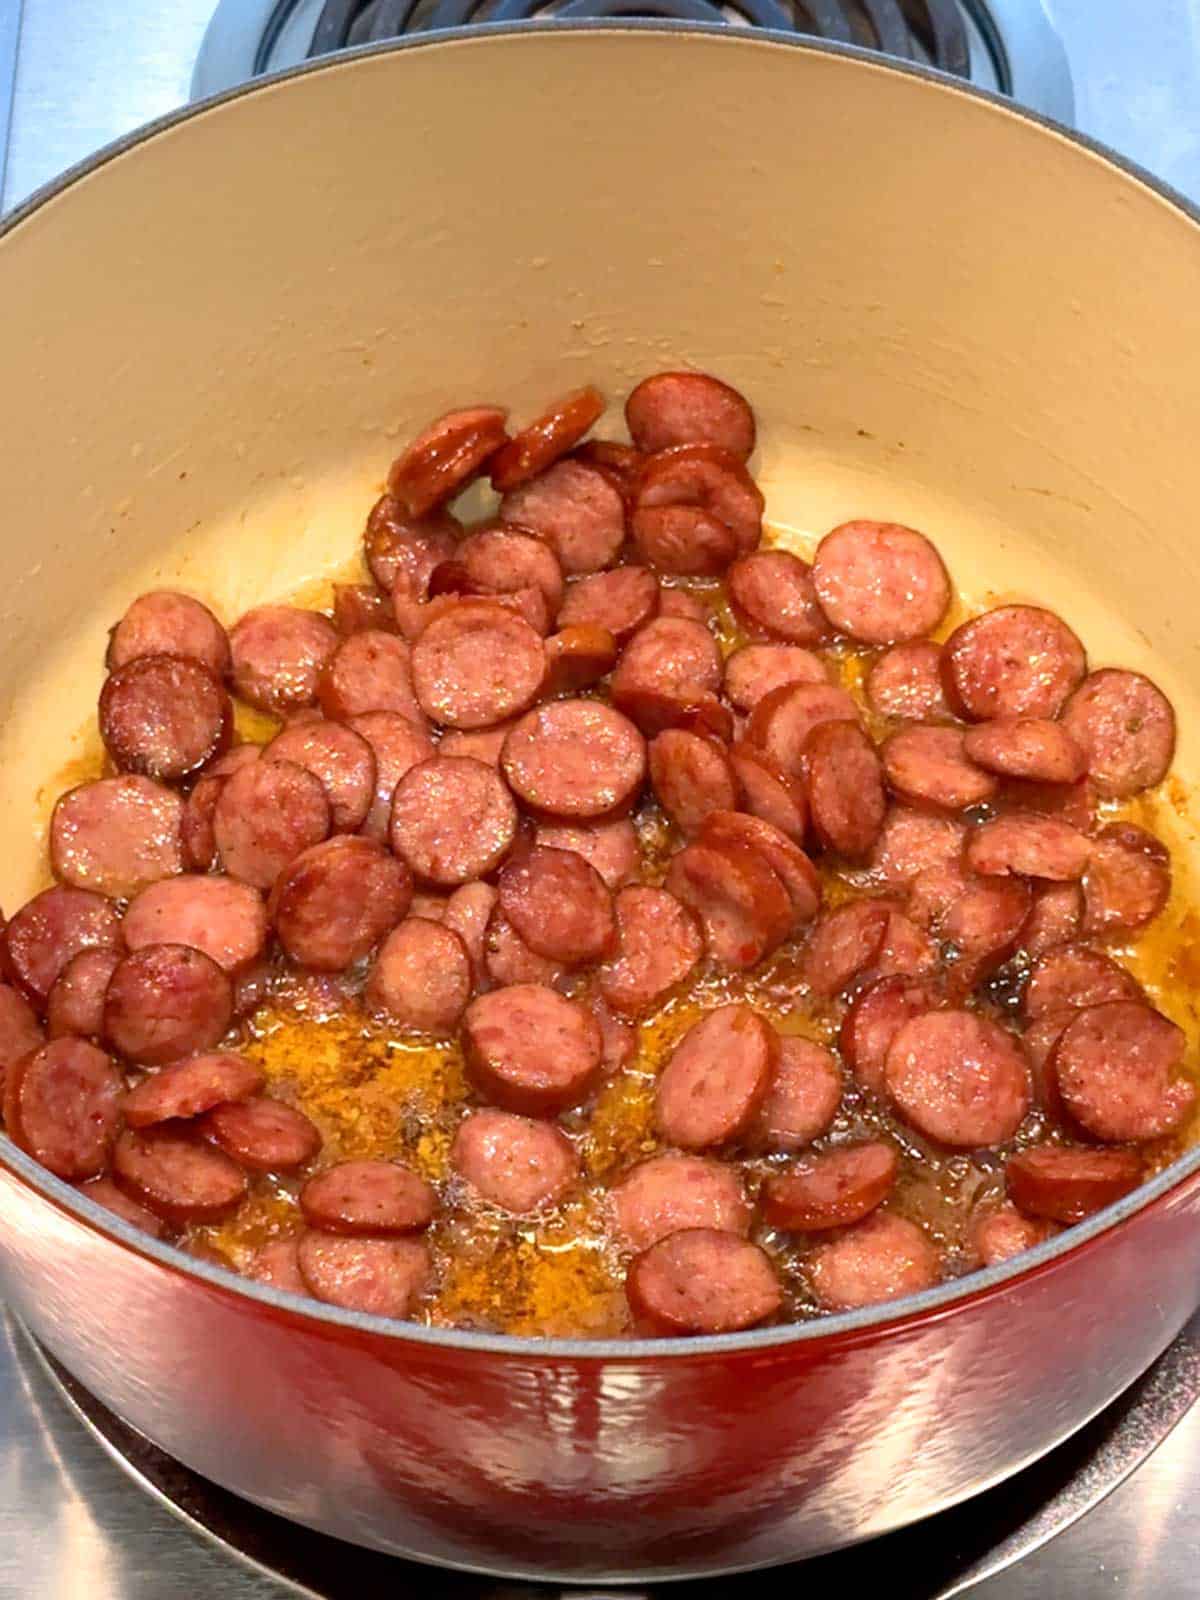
947	1297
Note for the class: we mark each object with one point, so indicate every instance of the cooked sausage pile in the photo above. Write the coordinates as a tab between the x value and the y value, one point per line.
474	750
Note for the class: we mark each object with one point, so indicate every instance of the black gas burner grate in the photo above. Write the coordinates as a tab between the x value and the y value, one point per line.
931	31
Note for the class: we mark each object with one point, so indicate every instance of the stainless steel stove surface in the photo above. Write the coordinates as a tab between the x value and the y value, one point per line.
73	1522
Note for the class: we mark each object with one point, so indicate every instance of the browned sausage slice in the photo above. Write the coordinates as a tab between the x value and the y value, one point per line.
683	540
267	814
875	1017
1055	917
163	623
477	664
421	976
702	1280
445	457
958	1078
453	820
618	1040
514	1163
62	1105
831	1190
278	653
880	583
368	1197
52	929
672	1191
883	1258
359	608
577	657
677	601
1005	1233
1016	661
658	944
575	759
509	960
783	719
756	669
845	943
847	802
221	916
929	766
804	1096
559	904
340	759
1072	976
481	744
530	1051
611	847
576	510
166	1001
742	903
380	1277
907	950
1065	1184
178	1177
717	1078
906	681
669	665
402	551
277	1264
982	928
165	717
397	745
765	790
673	408
713	485
691	777
331	906
76	1002
467	913
622	601
199	842
104	1192
116	835
1127	882
772	592
795	871
912	842
1030	845
1032	748
263	1134
369	671
20	1030
621	464
190	1088
1126	728
1115	1066
543	441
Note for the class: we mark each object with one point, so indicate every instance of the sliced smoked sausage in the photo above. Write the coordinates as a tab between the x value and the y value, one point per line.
1015	661
1116	1065
577	658
164	717
844	944
421	976
1072	976
734	829
503	560
695	508
911	842
1055	917
880	583
847	802
1032	748
368	1197
1127	882
62	1106
691	777
20	1030
278	654
163	623
477	664
199	842
756	669
559	904
665	671
1005	1233
772	592
958	1078
444	458
514	1163
191	1087
402	551
263	1134
673	1191
576	510
340	759
611	847
740	900
765	790
658	944
116	835
467	913
369	671
166	1001
906	681
380	1277
1125	726
575	759
673	408
622	601
1029	845
266	815
76	1002
358	607
702	1280
508	959
221	916
51	930
874	1018
332	905
1065	1184
717	1078
541	442
831	1190
805	1093
453	820
882	1258
783	719
530	1051
397	744
177	1176
929	766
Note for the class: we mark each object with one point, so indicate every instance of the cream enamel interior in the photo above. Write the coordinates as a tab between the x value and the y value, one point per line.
944	314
